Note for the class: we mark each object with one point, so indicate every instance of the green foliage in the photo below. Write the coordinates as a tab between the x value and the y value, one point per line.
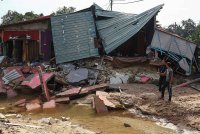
13	17
187	29
64	10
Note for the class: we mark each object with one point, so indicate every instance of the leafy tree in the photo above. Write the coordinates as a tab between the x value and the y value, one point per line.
187	29
31	15
63	10
11	17
14	16
174	28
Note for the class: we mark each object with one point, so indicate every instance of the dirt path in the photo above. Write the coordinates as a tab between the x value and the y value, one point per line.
183	110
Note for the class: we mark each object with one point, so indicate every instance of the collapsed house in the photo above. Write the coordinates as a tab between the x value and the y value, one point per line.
27	41
94	31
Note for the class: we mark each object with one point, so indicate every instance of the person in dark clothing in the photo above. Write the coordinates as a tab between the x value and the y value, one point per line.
162	68
168	81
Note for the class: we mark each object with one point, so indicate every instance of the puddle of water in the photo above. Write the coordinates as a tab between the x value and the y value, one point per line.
109	123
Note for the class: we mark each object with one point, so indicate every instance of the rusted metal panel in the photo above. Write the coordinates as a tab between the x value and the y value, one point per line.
33	81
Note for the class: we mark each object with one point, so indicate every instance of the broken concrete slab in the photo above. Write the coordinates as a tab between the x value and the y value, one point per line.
99	105
77	76
94	88
119	79
63	100
103	96
49	105
70	92
67	68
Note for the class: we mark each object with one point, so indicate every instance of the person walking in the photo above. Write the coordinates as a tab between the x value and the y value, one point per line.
168	81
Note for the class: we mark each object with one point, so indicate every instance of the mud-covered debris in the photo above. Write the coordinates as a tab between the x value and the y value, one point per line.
94	88
63	100
70	92
49	105
20	102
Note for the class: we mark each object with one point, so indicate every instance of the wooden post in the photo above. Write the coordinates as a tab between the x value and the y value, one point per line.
43	84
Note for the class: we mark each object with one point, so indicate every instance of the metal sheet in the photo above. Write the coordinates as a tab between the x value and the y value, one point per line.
117	30
171	43
33	81
73	36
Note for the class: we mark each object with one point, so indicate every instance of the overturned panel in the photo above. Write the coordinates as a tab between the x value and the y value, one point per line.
172	43
73	36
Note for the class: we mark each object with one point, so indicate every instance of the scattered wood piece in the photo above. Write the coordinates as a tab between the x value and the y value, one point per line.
30	126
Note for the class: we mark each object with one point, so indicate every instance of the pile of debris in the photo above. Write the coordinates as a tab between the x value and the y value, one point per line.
55	84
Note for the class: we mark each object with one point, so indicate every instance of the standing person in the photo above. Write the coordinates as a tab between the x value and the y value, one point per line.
168	82
162	68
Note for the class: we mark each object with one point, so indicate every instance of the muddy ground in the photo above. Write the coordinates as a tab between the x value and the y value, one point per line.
24	125
184	109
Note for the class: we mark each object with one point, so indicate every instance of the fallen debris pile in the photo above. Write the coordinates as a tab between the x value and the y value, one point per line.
63	83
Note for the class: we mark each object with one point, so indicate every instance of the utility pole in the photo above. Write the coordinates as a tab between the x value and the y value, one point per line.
111	5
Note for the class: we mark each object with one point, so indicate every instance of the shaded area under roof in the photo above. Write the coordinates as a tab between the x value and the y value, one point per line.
116	30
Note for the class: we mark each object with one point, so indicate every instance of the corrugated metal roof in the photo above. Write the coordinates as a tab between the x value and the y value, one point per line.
73	36
118	29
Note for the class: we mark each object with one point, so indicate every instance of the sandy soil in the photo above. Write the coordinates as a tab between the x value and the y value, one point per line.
183	110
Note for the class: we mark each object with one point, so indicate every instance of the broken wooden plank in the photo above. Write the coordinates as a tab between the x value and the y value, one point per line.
186	83
70	92
94	88
63	100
